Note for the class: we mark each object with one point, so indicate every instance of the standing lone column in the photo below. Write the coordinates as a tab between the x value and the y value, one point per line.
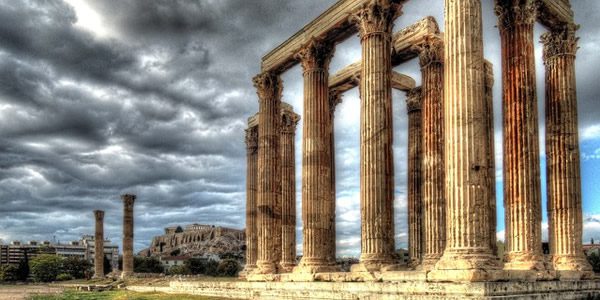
288	188
431	58
489	117
251	172
562	151
318	207
269	88
375	22
99	245
522	200
467	255
415	207
128	201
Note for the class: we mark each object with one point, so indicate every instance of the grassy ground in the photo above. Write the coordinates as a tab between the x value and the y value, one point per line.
117	295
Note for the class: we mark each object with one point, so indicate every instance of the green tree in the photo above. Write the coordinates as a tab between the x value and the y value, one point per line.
75	267
178	270
9	273
228	268
594	260
45	268
23	272
195	266
147	265
211	267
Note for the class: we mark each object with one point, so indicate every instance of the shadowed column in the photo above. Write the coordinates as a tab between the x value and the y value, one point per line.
269	88
467	256
288	188
375	22
415	208
251	172
522	194
128	202
431	57
489	116
318	206
562	151
99	245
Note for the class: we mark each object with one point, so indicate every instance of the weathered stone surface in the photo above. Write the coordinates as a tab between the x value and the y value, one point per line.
467	255
128	202
269	88
289	120
251	193
522	193
414	182
375	23
565	215
99	244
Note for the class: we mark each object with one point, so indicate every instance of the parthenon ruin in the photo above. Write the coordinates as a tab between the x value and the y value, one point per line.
451	167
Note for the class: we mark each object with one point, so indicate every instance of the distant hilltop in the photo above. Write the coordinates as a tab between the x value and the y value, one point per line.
198	240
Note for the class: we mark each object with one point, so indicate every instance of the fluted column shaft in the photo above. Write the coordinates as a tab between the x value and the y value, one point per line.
128	202
562	151
99	245
465	148
414	194
269	88
288	191
251	186
522	200
375	22
318	209
489	117
431	57
334	99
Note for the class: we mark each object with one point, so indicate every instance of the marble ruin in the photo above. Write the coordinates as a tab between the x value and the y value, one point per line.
451	167
128	201
99	244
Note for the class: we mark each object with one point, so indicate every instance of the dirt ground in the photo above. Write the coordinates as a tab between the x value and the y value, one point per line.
21	292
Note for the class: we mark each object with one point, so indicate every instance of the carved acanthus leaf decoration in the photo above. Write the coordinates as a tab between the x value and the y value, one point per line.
316	54
268	86
413	100
560	42
376	16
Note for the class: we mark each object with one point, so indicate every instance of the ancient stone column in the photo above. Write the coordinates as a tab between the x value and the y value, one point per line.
375	22
318	207
251	183
522	200
269	88
128	201
99	245
562	151
334	99
467	255
414	195
489	116
288	189
431	57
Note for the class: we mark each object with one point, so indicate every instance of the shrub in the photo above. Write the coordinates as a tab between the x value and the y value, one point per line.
75	267
228	267
195	266
178	270
107	265
147	265
211	267
64	277
9	273
594	260
23	272
45	268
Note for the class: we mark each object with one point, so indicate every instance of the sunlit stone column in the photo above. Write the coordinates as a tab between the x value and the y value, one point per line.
99	245
251	184
334	99
489	117
269	88
288	187
467	255
318	211
415	207
375	22
431	57
562	151
128	202
522	200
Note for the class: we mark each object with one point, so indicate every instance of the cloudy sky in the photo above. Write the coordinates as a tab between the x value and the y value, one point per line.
99	98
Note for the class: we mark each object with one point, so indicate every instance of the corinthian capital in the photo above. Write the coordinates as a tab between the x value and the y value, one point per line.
376	16
431	51
316	54
128	200
268	86
252	139
289	120
516	12
413	100
99	214
560	42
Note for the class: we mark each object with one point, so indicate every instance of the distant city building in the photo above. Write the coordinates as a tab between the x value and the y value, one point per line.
84	249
